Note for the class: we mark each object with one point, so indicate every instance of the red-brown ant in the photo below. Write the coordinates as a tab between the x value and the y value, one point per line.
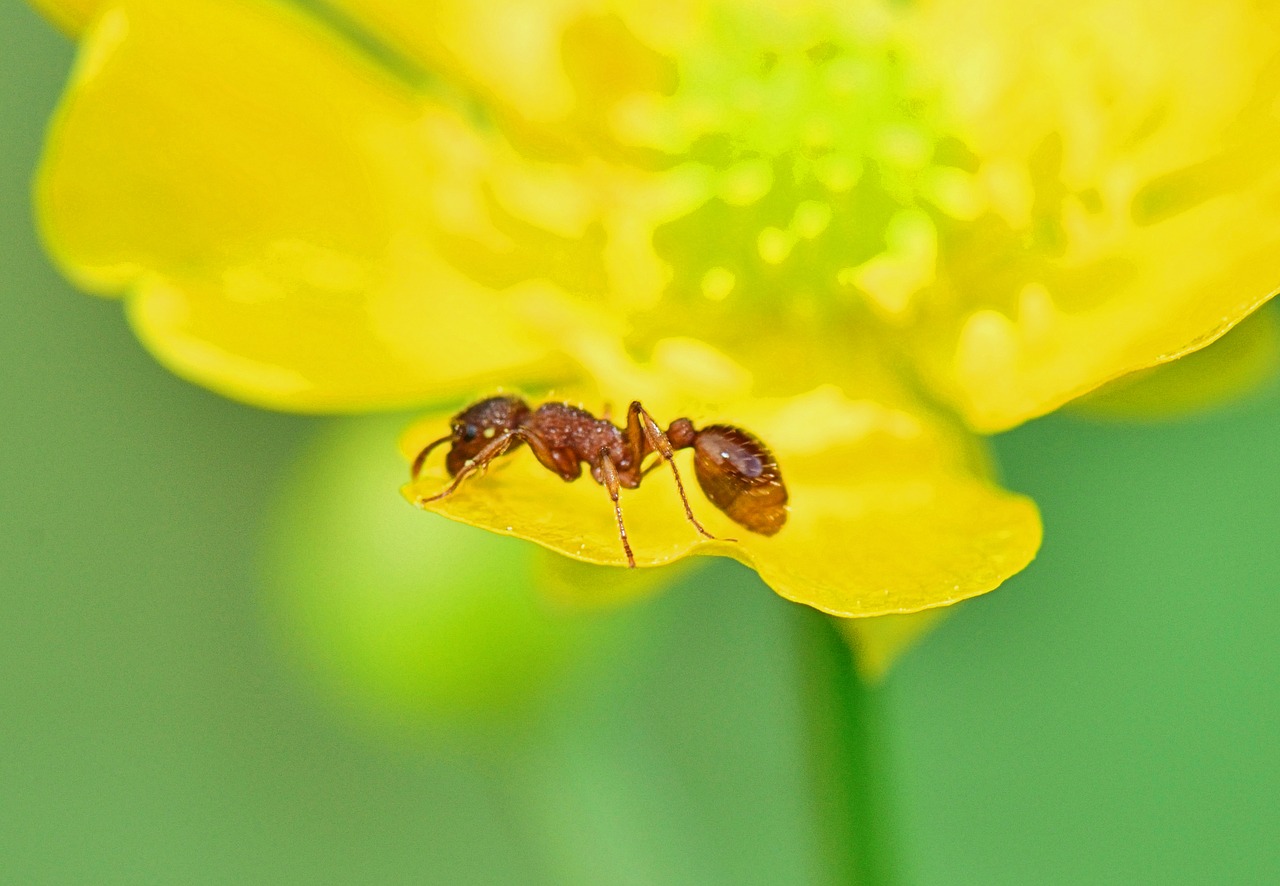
736	470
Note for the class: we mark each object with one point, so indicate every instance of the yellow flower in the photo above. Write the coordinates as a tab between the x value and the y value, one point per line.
866	232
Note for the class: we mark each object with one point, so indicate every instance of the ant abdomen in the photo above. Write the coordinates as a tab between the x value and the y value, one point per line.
740	476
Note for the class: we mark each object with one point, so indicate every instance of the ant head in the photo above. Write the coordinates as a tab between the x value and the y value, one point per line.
740	476
475	427
472	429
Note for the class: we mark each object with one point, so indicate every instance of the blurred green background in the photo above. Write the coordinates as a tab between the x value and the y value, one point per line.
176	706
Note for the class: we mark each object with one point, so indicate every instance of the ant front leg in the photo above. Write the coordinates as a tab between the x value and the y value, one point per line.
609	474
499	445
644	436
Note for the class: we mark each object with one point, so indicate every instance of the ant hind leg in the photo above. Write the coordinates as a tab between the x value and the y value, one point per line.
642	427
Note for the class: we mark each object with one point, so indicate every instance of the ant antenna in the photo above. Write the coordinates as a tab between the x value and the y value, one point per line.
422	456
479	463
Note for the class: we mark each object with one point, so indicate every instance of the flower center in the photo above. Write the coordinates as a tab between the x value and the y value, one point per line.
817	165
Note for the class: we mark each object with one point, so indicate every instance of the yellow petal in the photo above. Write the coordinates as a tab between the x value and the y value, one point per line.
886	515
1235	365
72	16
1126	196
876	644
1061	194
275	208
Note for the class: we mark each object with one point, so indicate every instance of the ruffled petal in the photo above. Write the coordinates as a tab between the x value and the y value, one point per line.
279	210
1121	193
1031	199
888	513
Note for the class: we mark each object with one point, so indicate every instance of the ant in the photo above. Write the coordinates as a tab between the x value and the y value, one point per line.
735	469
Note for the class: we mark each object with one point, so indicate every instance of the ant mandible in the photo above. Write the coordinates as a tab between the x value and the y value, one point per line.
735	469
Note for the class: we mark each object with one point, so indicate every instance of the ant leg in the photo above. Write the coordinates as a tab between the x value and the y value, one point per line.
610	476
561	462
481	461
642	427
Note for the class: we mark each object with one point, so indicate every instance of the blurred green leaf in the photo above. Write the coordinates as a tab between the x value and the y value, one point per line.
400	614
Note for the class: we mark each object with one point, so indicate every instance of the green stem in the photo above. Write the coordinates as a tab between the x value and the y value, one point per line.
845	758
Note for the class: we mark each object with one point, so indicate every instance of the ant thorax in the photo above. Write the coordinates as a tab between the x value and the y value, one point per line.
562	427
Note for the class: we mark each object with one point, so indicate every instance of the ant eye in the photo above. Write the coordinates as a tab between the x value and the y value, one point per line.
470	432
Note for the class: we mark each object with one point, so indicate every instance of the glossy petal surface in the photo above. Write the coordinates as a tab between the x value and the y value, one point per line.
886	513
